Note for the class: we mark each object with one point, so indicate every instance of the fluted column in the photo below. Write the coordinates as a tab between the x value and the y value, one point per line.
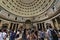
56	24
0	24
11	25
37	26
52	24
43	26
16	27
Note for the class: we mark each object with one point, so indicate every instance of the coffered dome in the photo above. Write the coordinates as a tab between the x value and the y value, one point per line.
26	8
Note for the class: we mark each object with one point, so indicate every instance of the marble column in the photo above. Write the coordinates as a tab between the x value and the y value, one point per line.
56	24
9	26
0	24
16	27
37	26
43	26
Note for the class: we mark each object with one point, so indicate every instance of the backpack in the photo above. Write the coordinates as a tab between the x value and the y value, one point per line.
54	35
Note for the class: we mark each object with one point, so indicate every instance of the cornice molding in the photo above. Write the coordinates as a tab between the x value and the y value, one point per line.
56	13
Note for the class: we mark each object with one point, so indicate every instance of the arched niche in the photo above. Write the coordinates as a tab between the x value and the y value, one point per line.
28	24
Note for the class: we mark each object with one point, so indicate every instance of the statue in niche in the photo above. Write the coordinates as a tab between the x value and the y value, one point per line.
28	24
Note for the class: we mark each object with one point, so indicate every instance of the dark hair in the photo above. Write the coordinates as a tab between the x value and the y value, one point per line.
12	30
48	25
24	31
40	29
4	30
32	31
0	30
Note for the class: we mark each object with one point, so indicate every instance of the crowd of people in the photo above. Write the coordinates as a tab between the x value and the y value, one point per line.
30	34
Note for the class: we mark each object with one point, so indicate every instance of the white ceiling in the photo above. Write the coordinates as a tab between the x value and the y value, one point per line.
27	1
26	8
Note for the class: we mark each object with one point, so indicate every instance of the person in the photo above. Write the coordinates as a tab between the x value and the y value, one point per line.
4	34
24	36
41	35
59	35
51	34
36	33
20	36
28	34
17	34
33	36
54	35
12	35
1	35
